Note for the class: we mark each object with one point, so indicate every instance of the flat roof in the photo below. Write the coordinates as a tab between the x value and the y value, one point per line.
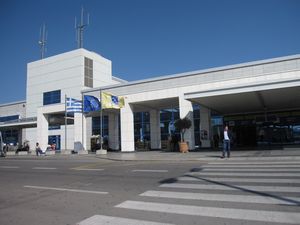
13	103
203	71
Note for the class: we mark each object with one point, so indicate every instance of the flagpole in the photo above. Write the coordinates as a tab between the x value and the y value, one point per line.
101	121
82	125
66	121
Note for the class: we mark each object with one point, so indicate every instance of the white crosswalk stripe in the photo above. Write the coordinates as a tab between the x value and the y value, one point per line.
245	174
251	165
223	197
241	214
251	169
100	219
271	195
240	180
226	187
287	163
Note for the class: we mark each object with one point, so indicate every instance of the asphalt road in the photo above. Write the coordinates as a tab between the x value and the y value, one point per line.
85	190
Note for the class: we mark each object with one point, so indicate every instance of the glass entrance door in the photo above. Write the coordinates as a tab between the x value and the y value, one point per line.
54	140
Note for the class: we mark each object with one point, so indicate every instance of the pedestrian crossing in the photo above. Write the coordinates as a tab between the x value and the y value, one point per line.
218	193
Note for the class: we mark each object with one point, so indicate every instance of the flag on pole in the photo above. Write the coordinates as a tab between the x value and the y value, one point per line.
73	105
91	103
110	101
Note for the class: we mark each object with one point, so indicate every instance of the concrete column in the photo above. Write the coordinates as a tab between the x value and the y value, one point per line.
186	110
205	127
155	129
127	128
78	145
42	129
113	131
88	132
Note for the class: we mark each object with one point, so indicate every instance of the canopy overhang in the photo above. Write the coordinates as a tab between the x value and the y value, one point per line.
250	99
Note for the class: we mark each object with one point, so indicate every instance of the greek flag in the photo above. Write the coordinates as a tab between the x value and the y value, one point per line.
73	105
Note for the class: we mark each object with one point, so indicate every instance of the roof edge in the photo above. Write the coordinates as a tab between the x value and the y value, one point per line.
203	71
12	103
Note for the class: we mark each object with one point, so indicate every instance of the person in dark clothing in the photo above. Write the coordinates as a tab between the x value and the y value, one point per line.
226	143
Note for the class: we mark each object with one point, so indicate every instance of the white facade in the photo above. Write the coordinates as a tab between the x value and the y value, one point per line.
14	108
260	86
265	86
64	72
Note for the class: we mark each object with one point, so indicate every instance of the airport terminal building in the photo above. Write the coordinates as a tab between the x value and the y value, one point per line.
259	101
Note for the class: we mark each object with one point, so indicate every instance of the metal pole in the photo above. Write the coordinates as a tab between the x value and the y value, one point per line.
101	121
66	121
82	125
81	29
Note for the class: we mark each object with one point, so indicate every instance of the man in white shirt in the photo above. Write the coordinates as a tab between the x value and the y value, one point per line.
226	147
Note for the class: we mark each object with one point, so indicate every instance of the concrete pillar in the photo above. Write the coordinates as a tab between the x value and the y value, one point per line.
84	131
87	129
113	131
205	127
78	139
186	110
127	128
42	129
155	129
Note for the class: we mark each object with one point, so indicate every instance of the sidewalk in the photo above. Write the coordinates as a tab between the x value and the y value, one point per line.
208	155
203	155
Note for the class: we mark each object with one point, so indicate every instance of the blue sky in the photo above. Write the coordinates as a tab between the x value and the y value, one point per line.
147	38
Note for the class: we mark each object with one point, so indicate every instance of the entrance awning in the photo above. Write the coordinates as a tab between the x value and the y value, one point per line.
260	98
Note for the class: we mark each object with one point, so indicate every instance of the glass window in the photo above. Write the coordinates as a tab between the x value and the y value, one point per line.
10	136
54	127
142	126
167	119
51	97
8	118
96	125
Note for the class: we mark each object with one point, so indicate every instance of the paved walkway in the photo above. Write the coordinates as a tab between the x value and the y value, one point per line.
207	155
203	155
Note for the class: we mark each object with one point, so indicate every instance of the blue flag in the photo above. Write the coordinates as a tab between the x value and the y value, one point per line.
91	103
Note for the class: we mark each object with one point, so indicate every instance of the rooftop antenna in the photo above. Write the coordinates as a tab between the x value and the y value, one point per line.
43	40
80	27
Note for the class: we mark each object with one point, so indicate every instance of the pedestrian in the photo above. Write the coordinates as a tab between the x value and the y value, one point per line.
38	149
226	143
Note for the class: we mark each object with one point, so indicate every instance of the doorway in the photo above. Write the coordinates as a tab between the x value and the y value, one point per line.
54	140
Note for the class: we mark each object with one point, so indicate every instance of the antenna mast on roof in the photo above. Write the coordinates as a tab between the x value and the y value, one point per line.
80	27
43	40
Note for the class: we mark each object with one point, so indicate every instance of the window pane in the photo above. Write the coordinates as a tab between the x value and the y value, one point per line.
51	97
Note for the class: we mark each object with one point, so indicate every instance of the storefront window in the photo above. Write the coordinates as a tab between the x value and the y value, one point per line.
265	130
10	136
142	130
167	119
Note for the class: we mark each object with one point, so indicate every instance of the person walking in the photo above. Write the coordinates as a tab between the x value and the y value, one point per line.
226	144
